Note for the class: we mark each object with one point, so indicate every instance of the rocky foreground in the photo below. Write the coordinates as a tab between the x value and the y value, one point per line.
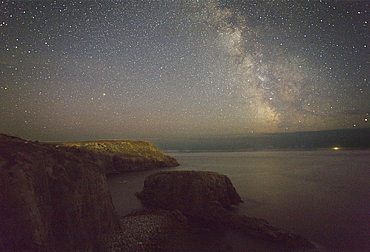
150	230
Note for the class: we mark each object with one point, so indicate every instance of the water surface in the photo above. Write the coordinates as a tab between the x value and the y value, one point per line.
321	195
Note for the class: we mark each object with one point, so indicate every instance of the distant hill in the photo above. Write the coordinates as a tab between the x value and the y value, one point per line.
343	138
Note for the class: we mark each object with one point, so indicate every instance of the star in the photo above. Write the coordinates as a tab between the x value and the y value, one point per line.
177	69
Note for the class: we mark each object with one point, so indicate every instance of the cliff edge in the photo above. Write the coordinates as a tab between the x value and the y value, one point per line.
55	197
120	156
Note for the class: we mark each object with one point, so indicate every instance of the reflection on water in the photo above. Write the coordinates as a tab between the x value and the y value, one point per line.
321	195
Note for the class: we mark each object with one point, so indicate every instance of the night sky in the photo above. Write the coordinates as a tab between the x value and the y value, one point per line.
147	70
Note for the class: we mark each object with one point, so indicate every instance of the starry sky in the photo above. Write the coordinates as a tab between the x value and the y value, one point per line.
148	70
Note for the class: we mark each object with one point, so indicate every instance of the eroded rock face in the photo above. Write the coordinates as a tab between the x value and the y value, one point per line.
191	192
120	156
205	197
51	200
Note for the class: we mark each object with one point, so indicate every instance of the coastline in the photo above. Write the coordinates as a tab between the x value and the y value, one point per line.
275	186
201	234
289	189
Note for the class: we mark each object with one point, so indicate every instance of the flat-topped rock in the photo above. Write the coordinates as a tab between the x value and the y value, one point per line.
206	197
191	192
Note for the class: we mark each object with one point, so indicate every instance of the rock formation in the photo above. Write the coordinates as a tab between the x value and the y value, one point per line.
120	156
51	200
191	192
206	197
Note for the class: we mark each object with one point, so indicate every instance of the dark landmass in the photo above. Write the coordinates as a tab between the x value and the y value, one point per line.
55	197
51	199
344	139
119	156
206	197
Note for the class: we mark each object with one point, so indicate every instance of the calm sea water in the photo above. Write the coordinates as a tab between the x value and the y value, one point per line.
321	195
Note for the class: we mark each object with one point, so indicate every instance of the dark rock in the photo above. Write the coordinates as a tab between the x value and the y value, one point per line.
120	156
191	192
206	197
51	200
149	230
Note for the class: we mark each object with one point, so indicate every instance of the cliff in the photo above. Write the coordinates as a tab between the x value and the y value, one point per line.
120	156
205	197
51	200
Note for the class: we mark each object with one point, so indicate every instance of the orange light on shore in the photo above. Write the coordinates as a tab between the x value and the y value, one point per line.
336	148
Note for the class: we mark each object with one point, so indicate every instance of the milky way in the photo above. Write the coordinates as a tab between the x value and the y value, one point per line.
163	69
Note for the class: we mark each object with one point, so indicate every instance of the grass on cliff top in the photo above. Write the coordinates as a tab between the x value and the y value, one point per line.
127	148
116	147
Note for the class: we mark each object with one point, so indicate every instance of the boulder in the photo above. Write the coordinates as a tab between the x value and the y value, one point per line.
51	200
206	197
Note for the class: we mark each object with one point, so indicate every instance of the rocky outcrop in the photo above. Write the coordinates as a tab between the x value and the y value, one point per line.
191	192
120	156
205	197
51	200
153	230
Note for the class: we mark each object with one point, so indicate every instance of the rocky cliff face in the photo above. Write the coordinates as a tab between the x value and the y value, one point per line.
50	199
205	197
191	192
120	156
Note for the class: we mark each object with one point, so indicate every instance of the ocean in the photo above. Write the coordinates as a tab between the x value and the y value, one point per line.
323	195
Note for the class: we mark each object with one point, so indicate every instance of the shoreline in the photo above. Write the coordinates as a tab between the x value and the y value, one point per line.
163	230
